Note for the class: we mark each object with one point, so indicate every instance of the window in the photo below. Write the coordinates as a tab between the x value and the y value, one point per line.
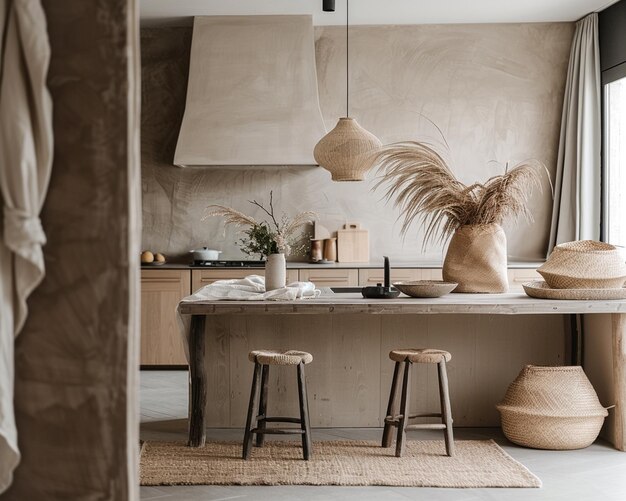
614	155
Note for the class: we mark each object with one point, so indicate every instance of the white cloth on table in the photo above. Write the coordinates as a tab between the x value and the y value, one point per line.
250	288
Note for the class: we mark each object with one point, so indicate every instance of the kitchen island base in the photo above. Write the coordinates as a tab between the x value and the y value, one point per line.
492	337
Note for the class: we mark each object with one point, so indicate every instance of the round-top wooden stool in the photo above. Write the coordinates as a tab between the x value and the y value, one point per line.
401	421
257	409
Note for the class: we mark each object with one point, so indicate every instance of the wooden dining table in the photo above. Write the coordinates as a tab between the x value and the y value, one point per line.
330	303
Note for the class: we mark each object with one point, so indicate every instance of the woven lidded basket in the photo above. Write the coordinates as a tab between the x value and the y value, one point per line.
551	408
585	264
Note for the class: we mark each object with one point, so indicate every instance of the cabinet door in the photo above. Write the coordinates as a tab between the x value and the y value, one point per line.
431	274
519	276
161	291
331	277
373	276
200	278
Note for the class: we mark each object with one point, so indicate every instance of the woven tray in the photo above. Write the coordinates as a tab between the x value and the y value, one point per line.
542	290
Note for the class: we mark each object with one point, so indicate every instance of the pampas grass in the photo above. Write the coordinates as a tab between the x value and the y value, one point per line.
231	216
424	187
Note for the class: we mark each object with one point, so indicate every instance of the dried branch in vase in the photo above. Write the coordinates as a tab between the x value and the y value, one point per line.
423	186
266	237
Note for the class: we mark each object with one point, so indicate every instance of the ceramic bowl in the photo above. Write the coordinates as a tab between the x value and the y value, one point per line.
425	288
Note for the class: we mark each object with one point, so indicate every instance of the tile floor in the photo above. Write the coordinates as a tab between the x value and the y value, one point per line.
595	473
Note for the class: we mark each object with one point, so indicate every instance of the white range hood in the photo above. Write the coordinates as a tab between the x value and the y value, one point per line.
252	93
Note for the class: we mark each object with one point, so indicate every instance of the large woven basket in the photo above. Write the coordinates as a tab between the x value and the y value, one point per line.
476	259
551	408
585	264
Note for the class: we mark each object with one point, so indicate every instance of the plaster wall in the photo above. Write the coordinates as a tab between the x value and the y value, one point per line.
494	92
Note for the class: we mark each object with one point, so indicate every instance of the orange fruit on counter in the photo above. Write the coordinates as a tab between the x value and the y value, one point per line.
147	257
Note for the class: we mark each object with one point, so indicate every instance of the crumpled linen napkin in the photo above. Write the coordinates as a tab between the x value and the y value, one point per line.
252	288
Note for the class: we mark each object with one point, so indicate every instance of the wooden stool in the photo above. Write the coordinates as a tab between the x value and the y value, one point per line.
257	408
410	357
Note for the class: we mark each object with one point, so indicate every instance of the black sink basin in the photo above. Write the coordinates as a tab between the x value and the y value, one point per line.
347	290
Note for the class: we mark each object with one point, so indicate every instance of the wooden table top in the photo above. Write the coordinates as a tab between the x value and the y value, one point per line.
345	303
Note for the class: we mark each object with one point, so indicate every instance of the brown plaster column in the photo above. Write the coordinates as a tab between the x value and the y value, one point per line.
76	359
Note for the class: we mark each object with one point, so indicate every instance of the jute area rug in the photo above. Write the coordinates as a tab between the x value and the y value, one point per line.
477	463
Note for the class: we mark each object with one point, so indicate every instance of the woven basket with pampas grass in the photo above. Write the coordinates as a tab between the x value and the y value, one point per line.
424	187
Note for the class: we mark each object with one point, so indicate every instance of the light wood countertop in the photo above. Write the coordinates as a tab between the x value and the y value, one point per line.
297	265
343	303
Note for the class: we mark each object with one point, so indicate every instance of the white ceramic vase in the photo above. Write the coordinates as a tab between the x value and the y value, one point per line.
275	272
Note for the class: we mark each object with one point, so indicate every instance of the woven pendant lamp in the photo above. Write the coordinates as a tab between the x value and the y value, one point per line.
346	151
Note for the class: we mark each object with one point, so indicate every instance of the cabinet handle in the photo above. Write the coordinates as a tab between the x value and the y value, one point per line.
160	279
324	279
395	277
313	278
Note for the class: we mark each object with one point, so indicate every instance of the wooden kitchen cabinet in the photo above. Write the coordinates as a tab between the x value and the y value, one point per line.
431	274
519	276
200	278
161	291
373	276
330	277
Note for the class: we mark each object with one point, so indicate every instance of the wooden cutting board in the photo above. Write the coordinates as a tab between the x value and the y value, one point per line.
353	244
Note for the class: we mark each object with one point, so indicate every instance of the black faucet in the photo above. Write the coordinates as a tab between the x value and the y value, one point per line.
380	291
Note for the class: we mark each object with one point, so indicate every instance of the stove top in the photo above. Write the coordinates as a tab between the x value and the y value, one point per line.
227	264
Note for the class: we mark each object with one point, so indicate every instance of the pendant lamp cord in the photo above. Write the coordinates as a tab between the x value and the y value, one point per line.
347	61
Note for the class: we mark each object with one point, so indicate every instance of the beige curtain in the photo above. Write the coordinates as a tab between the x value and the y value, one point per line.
576	209
25	163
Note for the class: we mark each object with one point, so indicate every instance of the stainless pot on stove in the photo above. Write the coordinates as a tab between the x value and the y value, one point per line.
205	254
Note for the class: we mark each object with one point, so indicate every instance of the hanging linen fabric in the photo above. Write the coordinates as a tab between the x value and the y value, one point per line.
577	196
26	147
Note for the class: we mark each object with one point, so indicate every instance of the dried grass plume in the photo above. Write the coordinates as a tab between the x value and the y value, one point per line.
230	215
424	187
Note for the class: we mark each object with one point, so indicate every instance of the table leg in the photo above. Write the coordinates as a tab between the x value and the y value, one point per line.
197	381
576	339
618	327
